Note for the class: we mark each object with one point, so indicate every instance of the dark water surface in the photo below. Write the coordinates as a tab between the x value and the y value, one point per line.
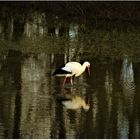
33	102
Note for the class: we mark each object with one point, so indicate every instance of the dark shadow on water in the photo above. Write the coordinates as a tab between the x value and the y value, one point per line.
14	68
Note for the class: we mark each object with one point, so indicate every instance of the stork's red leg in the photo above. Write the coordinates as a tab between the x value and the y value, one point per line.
71	81
71	90
64	81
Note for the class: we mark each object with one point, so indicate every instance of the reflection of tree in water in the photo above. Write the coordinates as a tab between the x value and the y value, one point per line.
134	122
36	96
11	70
128	85
58	128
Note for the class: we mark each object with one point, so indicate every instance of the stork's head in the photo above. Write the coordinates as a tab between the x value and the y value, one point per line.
87	64
86	107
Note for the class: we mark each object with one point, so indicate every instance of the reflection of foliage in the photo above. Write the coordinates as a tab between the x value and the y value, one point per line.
108	15
118	11
108	27
114	44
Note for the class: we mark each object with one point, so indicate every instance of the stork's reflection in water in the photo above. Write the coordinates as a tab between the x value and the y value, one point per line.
73	100
76	102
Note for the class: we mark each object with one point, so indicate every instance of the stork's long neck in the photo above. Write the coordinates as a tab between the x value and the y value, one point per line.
81	70
84	66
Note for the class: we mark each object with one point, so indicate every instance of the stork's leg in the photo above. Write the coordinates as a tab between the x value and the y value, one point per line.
64	81
64	91
71	81
71	90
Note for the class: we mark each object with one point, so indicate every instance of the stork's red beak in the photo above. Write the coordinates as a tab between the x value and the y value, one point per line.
89	71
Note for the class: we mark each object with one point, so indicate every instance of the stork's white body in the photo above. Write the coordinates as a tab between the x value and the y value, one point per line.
75	68
72	69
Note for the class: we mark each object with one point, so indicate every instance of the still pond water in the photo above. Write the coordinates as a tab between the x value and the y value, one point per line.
33	102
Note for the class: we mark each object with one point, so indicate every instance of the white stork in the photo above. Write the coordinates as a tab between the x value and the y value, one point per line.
72	69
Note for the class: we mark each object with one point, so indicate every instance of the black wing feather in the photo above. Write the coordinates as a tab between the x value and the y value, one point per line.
60	71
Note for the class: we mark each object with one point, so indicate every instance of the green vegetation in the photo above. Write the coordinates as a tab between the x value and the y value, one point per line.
85	12
105	29
112	44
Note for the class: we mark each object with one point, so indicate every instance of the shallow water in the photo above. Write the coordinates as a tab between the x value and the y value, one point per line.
31	100
36	38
